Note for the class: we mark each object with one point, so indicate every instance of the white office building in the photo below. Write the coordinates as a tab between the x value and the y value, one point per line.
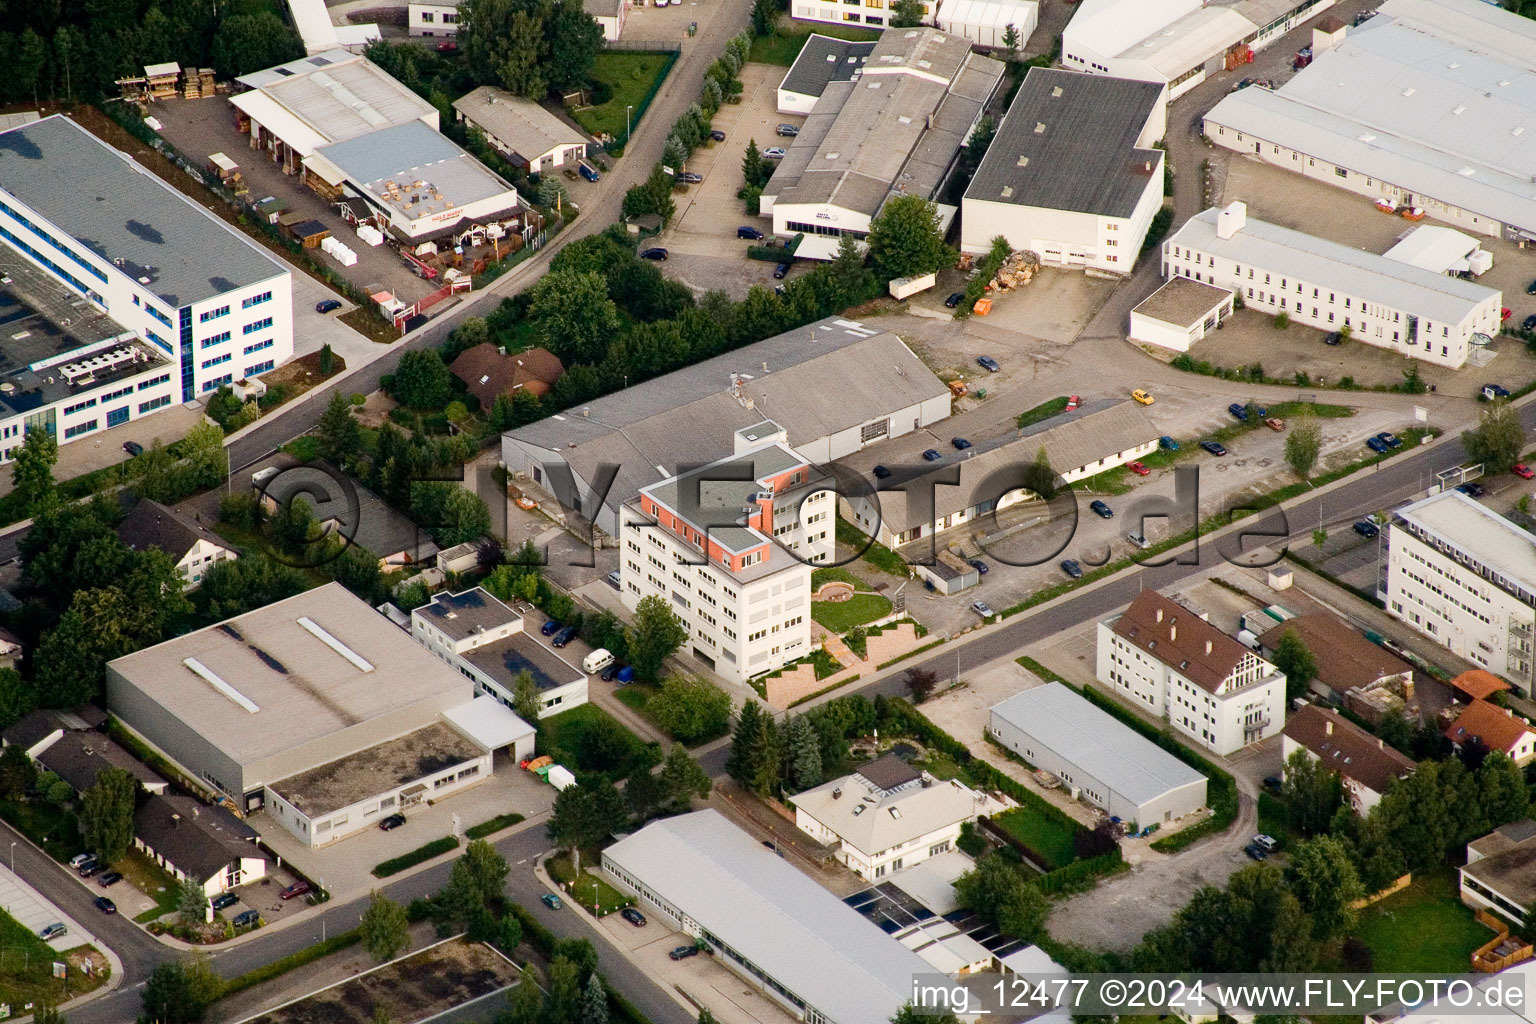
1427	104
1464	576
730	548
1073	173
874	14
163	302
432	17
1168	661
1176	42
1334	287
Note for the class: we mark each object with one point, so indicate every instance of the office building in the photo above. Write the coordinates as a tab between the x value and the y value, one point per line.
822	61
1500	874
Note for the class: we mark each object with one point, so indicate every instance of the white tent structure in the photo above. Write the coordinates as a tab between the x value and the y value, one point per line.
984	22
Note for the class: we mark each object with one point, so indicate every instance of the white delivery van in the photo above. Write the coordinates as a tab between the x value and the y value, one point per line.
596	661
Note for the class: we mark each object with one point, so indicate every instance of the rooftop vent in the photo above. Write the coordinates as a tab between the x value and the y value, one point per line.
895	812
1023	161
1459	109
831	58
1007	191
1409	91
319	633
1039	127
212	679
1056	92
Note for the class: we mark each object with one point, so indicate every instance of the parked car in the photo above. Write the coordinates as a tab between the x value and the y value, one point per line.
684	952
1144	397
447	46
295	890
955	298
1529	323
327	305
717	135
1472	490
988	363
550	628
1377	445
1138	540
91	868
633	916
1167	444
551	901
983	609
1492	391
1274	423
960	443
587	171
691	178
932	455
392	822
1332	338
1390	439
980	566
1366	528
750	233
105	905
655	252
1071	568
1269	843
80	858
1139	468
612	672
1239	410
53	931
1101	510
787	130
133	448
224	899
1073	402
1530	289
1214	447
565	636
1256	852
779	271
110	879
1274	783
774	153
247	919
882	473
1522	471
614	580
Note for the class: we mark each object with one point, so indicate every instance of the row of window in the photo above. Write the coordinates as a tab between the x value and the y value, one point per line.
155	403
217	339
255	300
216	360
258	346
212	314
259	325
45	236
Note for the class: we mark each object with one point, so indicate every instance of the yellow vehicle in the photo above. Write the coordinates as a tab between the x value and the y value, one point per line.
1141	396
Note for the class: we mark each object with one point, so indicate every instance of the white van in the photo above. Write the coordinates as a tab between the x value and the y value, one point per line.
596	661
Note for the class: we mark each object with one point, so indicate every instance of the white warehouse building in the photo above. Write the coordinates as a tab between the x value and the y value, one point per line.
1464	576
1333	287
1072	173
164	302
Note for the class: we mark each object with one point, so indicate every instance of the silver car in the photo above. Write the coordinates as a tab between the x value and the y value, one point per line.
983	609
774	153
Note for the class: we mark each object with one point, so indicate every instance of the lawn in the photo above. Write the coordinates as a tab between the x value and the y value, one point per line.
1050	839
841	616
632	77
786	42
836	574
1424	928
52	828
150	879
1043	411
26	967
586	888
589	739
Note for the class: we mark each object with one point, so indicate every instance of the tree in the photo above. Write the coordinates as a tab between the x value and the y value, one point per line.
1311	791
682	778
574	39
337	433
652	196
1412	384
1302	446
385	929
906	13
32	470
654	634
1011	39
27	65
1293	658
802	748
17	698
422	381
453	513
754	759
525	698
179	992
909	1014
999	893
920	683
1501	790
573	316
586	813
192	901
1496	440
904	240
851	281
690	708
594	1002
248	42
1323	877
564	1004
17	772
525	1003
106	813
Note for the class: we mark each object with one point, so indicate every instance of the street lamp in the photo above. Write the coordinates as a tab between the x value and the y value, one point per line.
13	856
627	109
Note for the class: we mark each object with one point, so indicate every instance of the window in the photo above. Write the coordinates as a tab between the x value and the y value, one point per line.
155	403
256	300
427	17
212	314
217	339
258	346
259	325
262	367
1341	172
81	428
216	360
163	378
89	403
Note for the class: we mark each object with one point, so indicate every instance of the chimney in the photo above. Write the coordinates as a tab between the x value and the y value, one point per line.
1159	615
1231	220
765	366
175	821
1381	744
1329	727
586	410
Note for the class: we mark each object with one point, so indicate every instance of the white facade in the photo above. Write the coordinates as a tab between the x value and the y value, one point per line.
199	559
874	14
1065	238
238	872
1334	287
986	22
1465	577
1179	314
433	19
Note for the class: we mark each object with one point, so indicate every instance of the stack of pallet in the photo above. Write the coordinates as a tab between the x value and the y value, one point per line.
1017	270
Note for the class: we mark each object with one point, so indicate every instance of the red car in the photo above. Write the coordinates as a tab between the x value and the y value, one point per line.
1522	471
1137	468
1504	313
296	889
1073	403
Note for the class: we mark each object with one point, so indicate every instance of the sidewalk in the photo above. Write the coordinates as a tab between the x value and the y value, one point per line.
33	911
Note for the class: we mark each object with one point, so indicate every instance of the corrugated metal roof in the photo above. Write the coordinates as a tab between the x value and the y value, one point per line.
340	95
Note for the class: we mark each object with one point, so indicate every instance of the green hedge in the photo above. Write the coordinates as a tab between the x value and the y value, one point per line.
421	854
309	954
496	824
1081	873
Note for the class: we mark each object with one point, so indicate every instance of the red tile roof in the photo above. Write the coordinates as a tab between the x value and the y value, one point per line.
1495	727
1479	684
1344	747
1177	636
487	373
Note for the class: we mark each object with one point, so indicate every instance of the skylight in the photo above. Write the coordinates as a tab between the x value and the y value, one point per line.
330	641
212	679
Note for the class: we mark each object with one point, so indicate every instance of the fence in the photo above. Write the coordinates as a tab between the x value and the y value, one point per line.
673	51
642	46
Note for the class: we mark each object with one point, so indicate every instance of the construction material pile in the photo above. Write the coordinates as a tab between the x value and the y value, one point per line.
1017	270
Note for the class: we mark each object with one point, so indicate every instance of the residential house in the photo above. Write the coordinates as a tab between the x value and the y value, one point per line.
1366	765
72	746
1347	662
529	136
432	17
1500	873
192	546
489	373
1484	724
193	841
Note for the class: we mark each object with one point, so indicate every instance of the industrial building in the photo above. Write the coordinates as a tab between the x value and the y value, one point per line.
1099	759
895	129
161	301
1073	173
1335	287
314	710
797	943
596	457
822	61
1425	105
1464	576
730	547
986	22
1168	661
1366	766
529	136
1178	43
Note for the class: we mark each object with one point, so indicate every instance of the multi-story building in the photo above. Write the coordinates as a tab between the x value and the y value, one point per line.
1334	287
869	13
1464	576
432	17
1366	766
165	302
730	548
1170	662
192	546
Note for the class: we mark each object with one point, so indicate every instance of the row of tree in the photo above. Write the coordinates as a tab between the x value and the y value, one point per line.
528	47
771	759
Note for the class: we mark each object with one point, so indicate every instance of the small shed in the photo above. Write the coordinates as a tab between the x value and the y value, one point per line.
160	80
309	233
459	558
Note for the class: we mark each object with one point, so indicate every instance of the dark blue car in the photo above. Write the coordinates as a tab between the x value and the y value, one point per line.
1377	445
550	628
1167	444
932	455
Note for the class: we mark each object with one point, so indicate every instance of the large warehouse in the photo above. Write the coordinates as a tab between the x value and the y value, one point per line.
1073	173
647	433
317	709
894	129
1101	759
162	301
1427	104
803	948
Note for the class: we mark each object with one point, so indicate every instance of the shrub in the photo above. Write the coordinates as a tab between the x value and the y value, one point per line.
421	854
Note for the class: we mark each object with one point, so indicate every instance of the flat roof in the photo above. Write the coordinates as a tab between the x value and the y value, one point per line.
1511	872
823	60
339	95
1435	248
466	613
489	723
1373	278
525	126
1097	742
1478	531
1183	302
384	766
790	927
110	204
504	660
298	663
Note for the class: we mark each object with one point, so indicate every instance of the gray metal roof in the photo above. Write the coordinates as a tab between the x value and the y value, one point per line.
794	930
412	152
822	60
1357	272
117	209
339	94
1069	143
521	124
1096	742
